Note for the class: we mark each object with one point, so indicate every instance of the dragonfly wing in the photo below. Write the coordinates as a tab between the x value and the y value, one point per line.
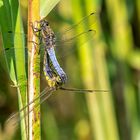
44	95
65	42
11	37
82	32
8	53
69	46
62	49
12	54
86	23
15	51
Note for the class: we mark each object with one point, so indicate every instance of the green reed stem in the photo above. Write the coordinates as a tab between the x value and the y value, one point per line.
94	73
34	126
10	11
122	49
34	65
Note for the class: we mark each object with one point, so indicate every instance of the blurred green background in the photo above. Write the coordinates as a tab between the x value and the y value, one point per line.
110	61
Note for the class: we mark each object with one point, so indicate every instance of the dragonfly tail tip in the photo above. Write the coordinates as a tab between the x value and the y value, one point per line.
90	30
92	13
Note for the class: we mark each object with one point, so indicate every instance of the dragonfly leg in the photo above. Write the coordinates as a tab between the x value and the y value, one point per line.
34	43
37	44
36	30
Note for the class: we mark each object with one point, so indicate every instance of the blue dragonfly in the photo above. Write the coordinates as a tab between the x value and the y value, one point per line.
54	74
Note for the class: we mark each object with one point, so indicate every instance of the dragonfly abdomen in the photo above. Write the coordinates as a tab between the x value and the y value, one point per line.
56	65
52	78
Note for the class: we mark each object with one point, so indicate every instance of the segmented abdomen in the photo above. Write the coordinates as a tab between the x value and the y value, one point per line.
56	65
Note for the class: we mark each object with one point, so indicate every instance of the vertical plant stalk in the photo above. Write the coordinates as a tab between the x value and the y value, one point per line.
108	117
88	78
100	105
107	110
123	38
20	69
15	61
34	72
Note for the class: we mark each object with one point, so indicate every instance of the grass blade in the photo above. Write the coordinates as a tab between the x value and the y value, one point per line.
16	70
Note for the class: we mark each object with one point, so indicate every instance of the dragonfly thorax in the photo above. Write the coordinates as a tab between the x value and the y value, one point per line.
49	40
48	37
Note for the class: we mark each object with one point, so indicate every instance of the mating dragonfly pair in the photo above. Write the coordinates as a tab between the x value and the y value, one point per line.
55	75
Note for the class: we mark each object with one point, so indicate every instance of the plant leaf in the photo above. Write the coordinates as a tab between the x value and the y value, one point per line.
46	6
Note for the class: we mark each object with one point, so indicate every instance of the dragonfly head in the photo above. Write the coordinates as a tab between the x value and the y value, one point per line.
44	23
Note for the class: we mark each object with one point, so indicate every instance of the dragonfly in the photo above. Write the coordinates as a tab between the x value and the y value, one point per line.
63	40
47	37
54	74
55	83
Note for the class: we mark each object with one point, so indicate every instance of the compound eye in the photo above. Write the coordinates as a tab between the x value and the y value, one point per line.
47	23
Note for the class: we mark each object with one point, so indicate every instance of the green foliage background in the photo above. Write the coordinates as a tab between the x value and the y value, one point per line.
111	61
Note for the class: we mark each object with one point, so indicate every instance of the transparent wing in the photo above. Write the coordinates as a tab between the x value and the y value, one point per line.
83	25
65	41
83	31
10	54
63	49
67	36
44	95
69	46
12	36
